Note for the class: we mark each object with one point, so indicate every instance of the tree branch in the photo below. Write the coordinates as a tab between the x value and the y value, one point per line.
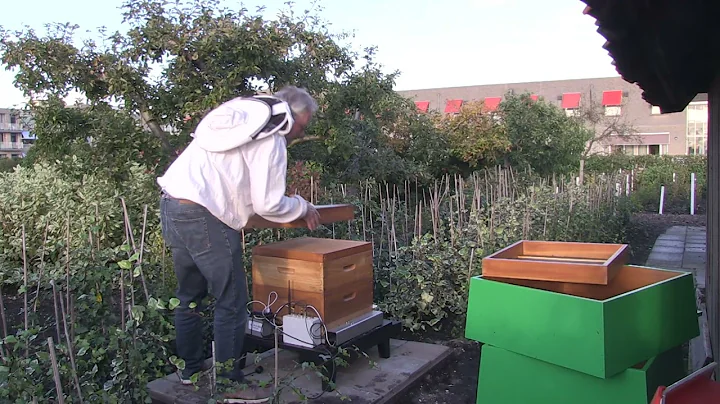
303	140
155	128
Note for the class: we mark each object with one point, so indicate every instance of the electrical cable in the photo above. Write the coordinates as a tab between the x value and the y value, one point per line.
273	323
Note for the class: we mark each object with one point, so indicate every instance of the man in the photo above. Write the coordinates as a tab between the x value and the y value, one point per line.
234	168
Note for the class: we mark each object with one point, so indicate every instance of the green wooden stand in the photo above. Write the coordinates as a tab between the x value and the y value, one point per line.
510	378
595	329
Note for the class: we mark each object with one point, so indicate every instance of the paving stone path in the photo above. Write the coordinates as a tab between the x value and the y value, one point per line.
683	248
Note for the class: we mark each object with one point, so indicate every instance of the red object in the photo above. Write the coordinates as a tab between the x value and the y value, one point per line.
492	103
697	388
534	97
453	106
571	100
612	98
658	395
422	105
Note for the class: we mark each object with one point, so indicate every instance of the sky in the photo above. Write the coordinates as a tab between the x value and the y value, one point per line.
432	43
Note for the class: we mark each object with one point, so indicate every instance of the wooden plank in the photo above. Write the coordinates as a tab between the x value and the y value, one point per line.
712	282
328	214
570	249
360	382
313	249
584	263
401	388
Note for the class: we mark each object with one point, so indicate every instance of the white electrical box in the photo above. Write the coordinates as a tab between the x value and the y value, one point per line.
303	331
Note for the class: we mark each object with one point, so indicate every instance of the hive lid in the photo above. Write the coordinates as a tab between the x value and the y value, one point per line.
312	249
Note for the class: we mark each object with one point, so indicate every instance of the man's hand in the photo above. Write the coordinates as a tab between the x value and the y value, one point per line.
312	217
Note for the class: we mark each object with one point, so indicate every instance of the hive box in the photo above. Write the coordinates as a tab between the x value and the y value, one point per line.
510	378
328	214
595	329
594	263
334	276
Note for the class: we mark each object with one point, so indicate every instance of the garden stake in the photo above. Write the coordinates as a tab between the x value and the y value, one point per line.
67	263
55	305
122	298
213	378
128	226
56	371
70	351
25	293
140	259
90	241
97	223
42	267
131	242
2	315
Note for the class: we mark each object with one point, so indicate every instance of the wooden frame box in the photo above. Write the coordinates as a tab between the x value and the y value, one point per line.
328	214
334	276
509	378
598	330
592	263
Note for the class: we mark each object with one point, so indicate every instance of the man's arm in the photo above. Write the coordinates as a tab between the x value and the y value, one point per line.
267	162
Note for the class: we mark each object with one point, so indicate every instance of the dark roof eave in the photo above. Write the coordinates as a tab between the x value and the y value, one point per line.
655	51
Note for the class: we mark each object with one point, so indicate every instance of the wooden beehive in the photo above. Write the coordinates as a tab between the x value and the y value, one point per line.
572	262
334	276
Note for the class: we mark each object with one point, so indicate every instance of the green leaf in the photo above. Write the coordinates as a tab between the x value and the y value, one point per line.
125	264
174	302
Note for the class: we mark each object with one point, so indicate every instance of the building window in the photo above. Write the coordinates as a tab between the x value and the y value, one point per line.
613	110
697	128
13	138
12	119
453	106
655	110
640	150
422	106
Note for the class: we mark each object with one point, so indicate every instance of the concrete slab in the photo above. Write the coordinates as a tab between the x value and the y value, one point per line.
668	259
694	258
661	249
669	243
667	236
693	240
364	381
677	230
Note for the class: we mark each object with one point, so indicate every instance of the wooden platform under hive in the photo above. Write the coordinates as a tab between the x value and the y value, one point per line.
334	276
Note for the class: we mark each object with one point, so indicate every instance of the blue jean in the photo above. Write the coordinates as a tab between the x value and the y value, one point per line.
208	258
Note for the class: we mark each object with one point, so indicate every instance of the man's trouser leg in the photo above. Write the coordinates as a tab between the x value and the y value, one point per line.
206	254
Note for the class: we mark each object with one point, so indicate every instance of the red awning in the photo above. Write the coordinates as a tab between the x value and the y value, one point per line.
534	97
492	103
571	100
423	106
612	98
453	106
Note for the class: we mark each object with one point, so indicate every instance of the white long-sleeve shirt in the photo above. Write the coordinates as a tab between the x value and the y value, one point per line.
236	184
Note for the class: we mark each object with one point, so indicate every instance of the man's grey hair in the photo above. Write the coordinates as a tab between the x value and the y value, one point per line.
299	100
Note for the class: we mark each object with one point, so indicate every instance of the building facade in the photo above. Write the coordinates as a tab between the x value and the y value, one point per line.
679	133
14	137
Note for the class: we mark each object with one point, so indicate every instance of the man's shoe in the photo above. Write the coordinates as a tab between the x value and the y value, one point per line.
186	374
249	395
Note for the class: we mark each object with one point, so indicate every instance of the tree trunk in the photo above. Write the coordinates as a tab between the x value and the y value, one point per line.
581	174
